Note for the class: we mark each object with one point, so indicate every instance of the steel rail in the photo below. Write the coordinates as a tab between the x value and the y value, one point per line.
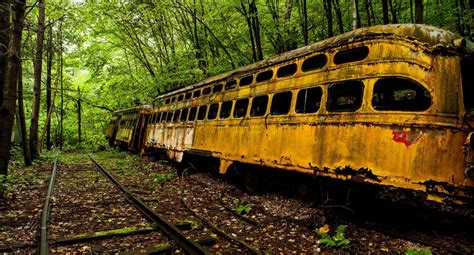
43	245
164	225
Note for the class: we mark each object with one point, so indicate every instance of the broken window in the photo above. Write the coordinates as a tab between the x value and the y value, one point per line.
246	81
212	114
240	109
265	76
398	94
196	93
351	55
184	114
192	114
259	106
188	95
226	108
202	112
217	88
180	98
169	117
287	70
176	116
281	103
163	117
308	100
345	96
206	91
314	62
230	84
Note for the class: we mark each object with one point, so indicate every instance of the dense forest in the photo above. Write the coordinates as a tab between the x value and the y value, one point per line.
64	67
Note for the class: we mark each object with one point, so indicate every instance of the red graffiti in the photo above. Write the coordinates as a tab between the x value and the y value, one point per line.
405	137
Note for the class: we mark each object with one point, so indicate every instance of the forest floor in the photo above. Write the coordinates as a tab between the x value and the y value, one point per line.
85	204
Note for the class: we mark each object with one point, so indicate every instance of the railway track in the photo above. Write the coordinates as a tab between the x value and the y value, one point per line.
161	224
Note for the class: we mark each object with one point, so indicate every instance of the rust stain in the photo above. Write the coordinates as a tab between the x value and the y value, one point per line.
406	137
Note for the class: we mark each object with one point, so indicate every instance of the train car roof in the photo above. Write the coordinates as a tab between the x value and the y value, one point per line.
432	37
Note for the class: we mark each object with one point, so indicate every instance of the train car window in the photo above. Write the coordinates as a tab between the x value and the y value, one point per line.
184	114
168	100
240	109
196	93
226	108
160	116
206	91
247	80
169	117
265	76
314	62
287	70
397	94
308	100
217	88
176	116
281	103
230	84
192	114
164	117
351	55
259	106
202	112
180	98
173	99
345	96
188	95
213	109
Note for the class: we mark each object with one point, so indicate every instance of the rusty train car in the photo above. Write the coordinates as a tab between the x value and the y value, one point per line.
388	105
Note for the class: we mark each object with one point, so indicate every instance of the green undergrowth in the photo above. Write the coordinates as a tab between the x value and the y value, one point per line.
418	251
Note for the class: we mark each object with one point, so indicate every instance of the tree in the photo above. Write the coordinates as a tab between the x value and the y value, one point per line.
385	11
355	15
49	65
7	106
37	81
328	10
419	11
4	30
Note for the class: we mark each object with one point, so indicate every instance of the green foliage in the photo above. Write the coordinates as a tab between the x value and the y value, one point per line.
241	207
418	251
193	223
338	240
162	178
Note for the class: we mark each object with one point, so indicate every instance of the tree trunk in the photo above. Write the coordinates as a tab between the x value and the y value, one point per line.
246	14
385	11
367	12
256	28
48	85
393	10
419	11
21	119
355	15
328	10
61	63
7	107
37	82
337	9
79	133
4	32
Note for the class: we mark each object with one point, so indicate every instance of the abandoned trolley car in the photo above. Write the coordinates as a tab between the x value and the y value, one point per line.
386	105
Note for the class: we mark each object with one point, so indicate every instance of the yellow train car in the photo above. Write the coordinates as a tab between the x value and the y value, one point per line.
125	127
388	105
